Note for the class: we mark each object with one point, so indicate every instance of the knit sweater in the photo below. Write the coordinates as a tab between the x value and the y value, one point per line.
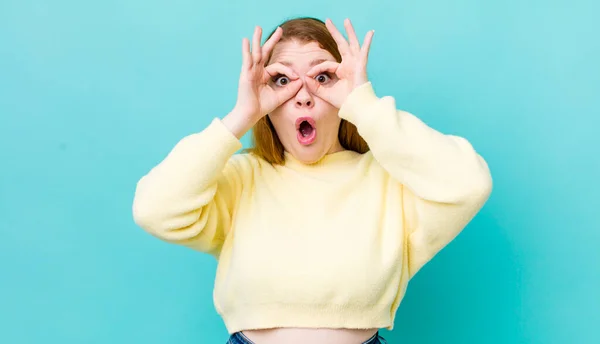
331	244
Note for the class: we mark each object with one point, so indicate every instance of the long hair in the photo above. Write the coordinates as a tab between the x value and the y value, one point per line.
265	142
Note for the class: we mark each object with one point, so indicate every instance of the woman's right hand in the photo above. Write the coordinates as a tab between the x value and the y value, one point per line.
261	88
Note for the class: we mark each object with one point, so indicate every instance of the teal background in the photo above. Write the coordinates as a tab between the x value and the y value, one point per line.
93	94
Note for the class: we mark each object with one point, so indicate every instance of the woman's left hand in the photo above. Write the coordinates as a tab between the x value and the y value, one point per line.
350	73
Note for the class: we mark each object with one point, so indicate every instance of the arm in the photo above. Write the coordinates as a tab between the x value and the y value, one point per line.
189	197
445	182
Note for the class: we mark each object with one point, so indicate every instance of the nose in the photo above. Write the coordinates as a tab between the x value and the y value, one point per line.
304	98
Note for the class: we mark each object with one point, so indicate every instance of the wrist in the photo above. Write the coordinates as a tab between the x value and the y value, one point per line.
360	81
239	122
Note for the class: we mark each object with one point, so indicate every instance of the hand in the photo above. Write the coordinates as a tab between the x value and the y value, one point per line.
350	73
259	92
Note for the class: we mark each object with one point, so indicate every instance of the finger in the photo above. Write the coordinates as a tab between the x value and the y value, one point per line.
338	37
313	86
364	52
287	92
246	56
317	89
327	66
270	44
328	94
278	68
354	45
256	48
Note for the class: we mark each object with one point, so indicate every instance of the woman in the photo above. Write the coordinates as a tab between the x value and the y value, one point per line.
343	198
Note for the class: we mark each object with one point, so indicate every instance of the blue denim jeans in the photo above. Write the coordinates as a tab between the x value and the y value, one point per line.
240	338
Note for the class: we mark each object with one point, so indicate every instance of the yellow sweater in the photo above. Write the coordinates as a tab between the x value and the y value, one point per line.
332	244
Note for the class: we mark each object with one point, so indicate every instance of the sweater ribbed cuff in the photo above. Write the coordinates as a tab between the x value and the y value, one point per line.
224	138
357	107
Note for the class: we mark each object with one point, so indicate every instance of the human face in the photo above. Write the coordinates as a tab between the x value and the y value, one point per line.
306	125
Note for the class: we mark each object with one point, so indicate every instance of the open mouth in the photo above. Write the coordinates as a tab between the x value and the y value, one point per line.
307	130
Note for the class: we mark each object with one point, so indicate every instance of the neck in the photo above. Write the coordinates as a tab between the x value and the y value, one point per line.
339	158
337	147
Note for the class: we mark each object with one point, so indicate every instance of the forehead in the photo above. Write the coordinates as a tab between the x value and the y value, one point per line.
299	54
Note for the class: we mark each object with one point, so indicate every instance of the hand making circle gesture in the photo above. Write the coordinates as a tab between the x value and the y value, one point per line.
257	93
351	72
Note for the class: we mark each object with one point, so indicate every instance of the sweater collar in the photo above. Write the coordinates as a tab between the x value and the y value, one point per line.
341	158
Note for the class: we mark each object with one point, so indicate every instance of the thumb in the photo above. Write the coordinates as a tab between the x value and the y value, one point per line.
315	88
288	91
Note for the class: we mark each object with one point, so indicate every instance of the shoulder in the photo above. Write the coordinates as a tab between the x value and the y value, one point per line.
246	163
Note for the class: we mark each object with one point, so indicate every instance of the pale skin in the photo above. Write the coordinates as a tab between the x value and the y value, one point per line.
300	80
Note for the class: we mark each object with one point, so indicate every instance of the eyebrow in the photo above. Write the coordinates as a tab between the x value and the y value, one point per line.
312	63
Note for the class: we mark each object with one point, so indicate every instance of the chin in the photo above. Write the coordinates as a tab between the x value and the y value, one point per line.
309	154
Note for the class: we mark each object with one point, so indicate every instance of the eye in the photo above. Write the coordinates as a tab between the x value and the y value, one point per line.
323	78
281	80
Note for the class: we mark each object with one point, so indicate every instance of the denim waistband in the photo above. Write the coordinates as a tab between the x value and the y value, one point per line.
240	338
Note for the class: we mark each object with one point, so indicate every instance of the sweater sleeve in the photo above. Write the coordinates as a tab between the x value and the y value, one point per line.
189	197
445	182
